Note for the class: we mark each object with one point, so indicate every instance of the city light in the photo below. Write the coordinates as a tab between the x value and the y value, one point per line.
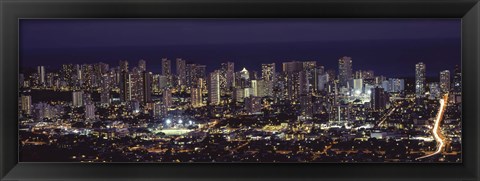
268	105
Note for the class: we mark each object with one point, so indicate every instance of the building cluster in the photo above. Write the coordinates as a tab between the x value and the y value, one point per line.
300	104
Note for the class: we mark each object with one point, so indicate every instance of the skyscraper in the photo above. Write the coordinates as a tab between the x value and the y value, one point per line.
214	88
420	80
41	75
378	99
182	72
125	86
364	74
457	80
322	81
167	70
396	85
166	67
291	67
77	98
345	71
142	65
123	65
147	87
306	105
268	72
196	97
268	77
294	77
311	71
167	98
358	86
445	81
194	72
26	104
228	74
259	88
90	111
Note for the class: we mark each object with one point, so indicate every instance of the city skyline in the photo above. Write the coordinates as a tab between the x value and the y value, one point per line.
182	109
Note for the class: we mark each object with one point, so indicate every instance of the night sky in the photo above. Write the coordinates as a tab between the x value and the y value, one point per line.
390	47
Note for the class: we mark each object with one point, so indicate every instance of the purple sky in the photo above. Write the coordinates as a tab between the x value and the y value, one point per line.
387	46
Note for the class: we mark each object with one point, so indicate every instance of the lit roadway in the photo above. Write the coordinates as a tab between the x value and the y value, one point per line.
390	112
384	117
436	128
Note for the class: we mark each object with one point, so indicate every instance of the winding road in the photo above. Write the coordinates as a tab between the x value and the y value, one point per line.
436	129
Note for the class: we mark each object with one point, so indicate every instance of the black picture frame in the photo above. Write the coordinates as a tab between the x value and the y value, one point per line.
12	10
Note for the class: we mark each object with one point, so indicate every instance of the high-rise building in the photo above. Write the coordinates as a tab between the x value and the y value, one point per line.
77	98
214	88
243	78
445	81
194	72
166	67
396	85
147	87
167	70
457	80
136	85
345	71
158	110
244	74
167	98
296	79
420	79
125	86
434	89
123	66
90	111
228	75
239	94
196	97
41	75
182	72
142	65
322	81
268	72
268	77
26	104
311	72
378	99
357	86
66	73
364	74
259	88
306	105
294	66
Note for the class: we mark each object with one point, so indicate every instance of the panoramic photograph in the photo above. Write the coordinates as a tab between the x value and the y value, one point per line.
240	90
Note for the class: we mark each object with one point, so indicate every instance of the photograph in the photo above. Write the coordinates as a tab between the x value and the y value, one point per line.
237	90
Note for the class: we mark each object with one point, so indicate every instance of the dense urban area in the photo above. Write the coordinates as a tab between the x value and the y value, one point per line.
298	111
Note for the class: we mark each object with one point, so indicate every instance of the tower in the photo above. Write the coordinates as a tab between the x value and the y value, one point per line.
345	71
420	80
